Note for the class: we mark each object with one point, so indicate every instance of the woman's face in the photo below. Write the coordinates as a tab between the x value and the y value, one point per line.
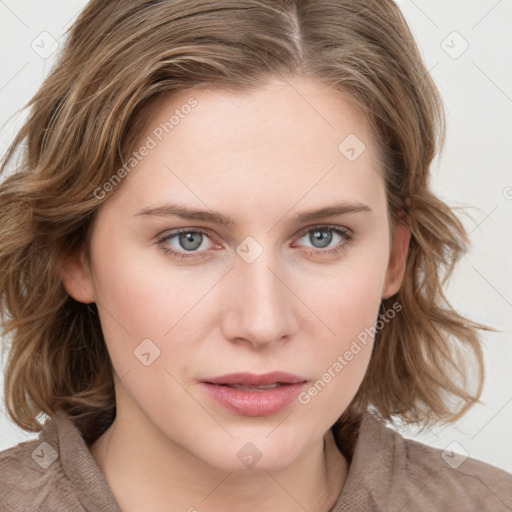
281	289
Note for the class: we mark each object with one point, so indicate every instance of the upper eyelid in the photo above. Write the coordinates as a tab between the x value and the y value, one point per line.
343	230
298	234
307	229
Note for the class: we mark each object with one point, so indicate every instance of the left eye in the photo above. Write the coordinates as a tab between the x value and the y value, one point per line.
322	236
188	241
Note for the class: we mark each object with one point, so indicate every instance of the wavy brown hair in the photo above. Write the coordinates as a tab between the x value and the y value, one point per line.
119	57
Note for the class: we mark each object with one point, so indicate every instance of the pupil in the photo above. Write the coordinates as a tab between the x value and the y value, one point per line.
324	237
190	241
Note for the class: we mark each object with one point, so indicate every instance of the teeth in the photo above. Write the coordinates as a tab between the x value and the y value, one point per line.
261	387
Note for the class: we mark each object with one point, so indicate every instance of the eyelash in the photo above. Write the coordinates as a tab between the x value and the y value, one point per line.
343	232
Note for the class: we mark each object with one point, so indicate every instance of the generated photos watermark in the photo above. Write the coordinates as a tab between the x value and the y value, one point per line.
151	142
344	359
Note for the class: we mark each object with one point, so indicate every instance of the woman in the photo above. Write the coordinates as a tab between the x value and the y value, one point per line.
225	266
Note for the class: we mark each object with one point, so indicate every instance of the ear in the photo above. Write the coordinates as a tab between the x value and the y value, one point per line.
77	279
397	258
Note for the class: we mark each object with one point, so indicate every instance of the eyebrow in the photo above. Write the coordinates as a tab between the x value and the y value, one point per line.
213	217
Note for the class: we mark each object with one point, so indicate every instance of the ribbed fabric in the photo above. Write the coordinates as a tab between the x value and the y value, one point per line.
387	473
72	482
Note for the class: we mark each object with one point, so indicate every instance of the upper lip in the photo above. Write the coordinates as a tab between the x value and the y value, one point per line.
251	379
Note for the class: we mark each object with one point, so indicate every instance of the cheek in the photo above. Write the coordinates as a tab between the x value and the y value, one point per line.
141	297
350	311
142	291
347	298
347	301
340	360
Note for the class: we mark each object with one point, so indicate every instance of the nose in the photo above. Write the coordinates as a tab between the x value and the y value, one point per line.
259	306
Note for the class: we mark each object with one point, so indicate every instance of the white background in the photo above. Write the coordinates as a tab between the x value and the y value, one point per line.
475	169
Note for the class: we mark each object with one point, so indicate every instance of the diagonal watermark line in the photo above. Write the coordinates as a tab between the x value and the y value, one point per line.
121	378
493	287
419	490
423	430
14	486
430	70
280	423
71	20
501	409
14	76
332	332
492	81
425	14
98	305
286	491
165	165
19	19
199	403
491	490
485	15
228	97
199	300
492	211
300	199
324	119
217	486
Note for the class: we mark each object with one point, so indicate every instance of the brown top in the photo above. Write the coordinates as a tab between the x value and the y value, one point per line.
387	473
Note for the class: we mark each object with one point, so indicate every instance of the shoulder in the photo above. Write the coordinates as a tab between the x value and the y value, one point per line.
444	476
390	472
32	477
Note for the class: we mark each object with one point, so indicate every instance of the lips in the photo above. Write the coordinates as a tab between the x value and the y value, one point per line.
261	387
254	395
250	379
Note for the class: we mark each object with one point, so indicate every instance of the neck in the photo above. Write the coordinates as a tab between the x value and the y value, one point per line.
158	475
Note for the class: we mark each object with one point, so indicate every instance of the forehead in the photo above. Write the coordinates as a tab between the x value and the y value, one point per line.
282	141
275	115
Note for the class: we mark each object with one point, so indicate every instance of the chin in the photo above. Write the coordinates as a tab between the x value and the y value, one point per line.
254	454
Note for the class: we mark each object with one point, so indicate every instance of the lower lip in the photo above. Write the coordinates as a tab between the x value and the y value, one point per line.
254	403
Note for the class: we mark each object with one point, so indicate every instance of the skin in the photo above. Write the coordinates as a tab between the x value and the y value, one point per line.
261	158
